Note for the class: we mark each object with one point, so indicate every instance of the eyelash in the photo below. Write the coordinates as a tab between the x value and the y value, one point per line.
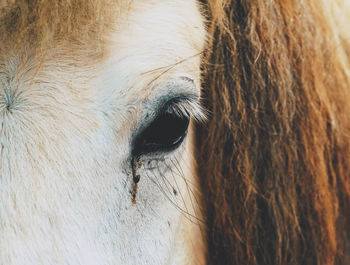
163	135
169	128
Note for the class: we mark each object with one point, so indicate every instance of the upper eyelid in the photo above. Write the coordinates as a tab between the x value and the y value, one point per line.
164	103
188	106
182	92
183	105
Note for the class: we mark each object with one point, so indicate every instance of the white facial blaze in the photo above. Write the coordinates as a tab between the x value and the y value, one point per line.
66	135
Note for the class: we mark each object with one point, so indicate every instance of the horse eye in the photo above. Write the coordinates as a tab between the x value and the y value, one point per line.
165	133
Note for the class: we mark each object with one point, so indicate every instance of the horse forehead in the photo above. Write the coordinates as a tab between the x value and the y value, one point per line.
155	38
146	41
154	44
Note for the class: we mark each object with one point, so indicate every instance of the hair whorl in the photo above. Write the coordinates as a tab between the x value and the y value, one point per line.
274	157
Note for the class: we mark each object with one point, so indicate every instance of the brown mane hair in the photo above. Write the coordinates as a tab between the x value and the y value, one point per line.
274	158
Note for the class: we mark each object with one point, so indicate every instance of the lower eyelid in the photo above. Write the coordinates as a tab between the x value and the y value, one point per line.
156	160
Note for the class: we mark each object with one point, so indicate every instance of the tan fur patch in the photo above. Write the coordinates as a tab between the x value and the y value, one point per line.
42	24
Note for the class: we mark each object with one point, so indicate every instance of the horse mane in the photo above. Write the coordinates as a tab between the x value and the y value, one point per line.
274	157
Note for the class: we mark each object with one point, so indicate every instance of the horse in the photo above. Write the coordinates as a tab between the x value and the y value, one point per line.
174	132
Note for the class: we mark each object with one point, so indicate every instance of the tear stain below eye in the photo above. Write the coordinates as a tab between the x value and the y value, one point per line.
135	178
133	193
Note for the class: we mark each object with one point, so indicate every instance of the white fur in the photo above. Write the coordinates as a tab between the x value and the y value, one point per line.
66	134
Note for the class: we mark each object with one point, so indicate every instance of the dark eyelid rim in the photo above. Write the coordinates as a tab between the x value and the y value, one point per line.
163	104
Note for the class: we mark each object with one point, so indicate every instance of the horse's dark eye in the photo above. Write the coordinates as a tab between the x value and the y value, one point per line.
164	134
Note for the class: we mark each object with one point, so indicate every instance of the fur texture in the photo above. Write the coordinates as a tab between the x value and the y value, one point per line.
78	79
277	85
